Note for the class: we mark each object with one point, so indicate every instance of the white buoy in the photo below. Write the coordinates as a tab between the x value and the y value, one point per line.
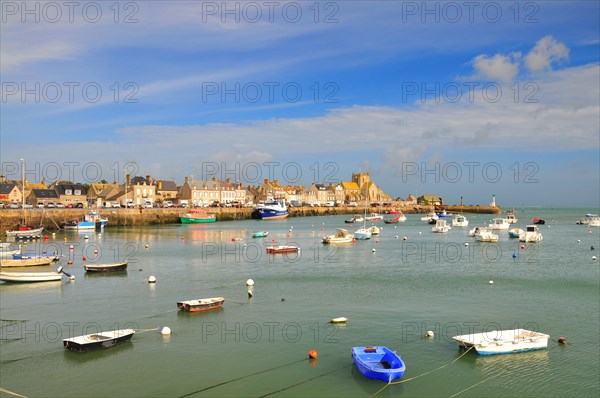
165	331
466	244
491	283
404	238
71	278
373	250
146	246
85	237
429	333
249	282
420	232
594	258
396	236
250	294
578	240
151	279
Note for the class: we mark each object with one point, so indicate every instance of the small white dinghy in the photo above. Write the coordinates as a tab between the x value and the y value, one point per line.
503	341
341	319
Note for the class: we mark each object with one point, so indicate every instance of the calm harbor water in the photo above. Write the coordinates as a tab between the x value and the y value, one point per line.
259	346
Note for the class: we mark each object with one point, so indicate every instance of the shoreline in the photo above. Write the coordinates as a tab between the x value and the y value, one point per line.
53	218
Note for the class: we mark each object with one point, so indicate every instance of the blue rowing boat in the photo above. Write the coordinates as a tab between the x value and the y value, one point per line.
378	363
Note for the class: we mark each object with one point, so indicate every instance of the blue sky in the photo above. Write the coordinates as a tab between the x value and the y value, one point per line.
429	97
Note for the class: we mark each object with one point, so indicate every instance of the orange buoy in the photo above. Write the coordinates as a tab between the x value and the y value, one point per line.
70	262
45	237
562	340
83	258
313	354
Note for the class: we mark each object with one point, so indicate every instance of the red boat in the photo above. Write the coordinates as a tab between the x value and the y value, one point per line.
201	304
283	249
538	220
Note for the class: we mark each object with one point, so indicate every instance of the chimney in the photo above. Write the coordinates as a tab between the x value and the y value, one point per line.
148	180
44	182
186	180
276	183
214	178
128	179
228	180
266	180
160	185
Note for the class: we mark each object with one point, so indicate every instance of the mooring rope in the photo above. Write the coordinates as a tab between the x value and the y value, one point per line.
4	390
305	381
242	377
422	374
474	385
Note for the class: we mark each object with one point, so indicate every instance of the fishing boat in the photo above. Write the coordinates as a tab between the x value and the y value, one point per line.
443	214
25	262
503	341
374	217
395	220
201	304
197	216
511	219
441	227
473	232
109	267
460	221
29	277
271	210
260	234
97	341
531	234
378	363
283	249
356	218
429	216
91	220
538	220
26	256
594	222
26	233
341	236
499	224
486	235
514	233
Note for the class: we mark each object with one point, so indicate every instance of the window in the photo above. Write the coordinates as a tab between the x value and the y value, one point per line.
78	192
68	192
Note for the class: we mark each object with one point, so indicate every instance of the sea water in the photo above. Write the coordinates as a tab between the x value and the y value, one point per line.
392	288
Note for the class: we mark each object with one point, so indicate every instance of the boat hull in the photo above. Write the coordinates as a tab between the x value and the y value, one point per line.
34	233
29	277
191	220
26	262
269	214
282	249
85	225
201	305
379	363
504	341
106	267
97	341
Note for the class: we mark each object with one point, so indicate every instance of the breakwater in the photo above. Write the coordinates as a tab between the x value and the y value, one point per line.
53	218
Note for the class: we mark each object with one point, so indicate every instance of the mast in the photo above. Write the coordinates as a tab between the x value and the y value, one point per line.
23	192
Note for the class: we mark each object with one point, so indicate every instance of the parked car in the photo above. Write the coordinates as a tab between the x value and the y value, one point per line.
28	206
14	206
40	206
60	205
78	205
352	204
51	205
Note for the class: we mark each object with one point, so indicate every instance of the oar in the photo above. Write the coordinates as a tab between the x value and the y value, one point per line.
60	269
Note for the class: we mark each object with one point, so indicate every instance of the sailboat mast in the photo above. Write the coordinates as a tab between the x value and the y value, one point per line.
23	192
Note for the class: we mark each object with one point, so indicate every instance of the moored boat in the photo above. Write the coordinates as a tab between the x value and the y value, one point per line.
514	233
531	234
26	233
486	235
374	229
429	216
341	319
460	221
100	340
108	267
201	304
443	214
356	218
374	217
30	277
503	341
283	249
378	363
511	219
271	210
538	220
441	226
25	262
91	220
197	216
363	233
341	236
260	234
499	224
398	218
594	222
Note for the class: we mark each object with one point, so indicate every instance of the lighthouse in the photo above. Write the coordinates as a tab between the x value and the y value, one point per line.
493	202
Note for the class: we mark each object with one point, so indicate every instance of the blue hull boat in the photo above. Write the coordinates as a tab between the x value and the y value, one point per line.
378	363
271	210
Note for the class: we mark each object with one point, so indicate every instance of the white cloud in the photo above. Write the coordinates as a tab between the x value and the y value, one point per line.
499	67
546	51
